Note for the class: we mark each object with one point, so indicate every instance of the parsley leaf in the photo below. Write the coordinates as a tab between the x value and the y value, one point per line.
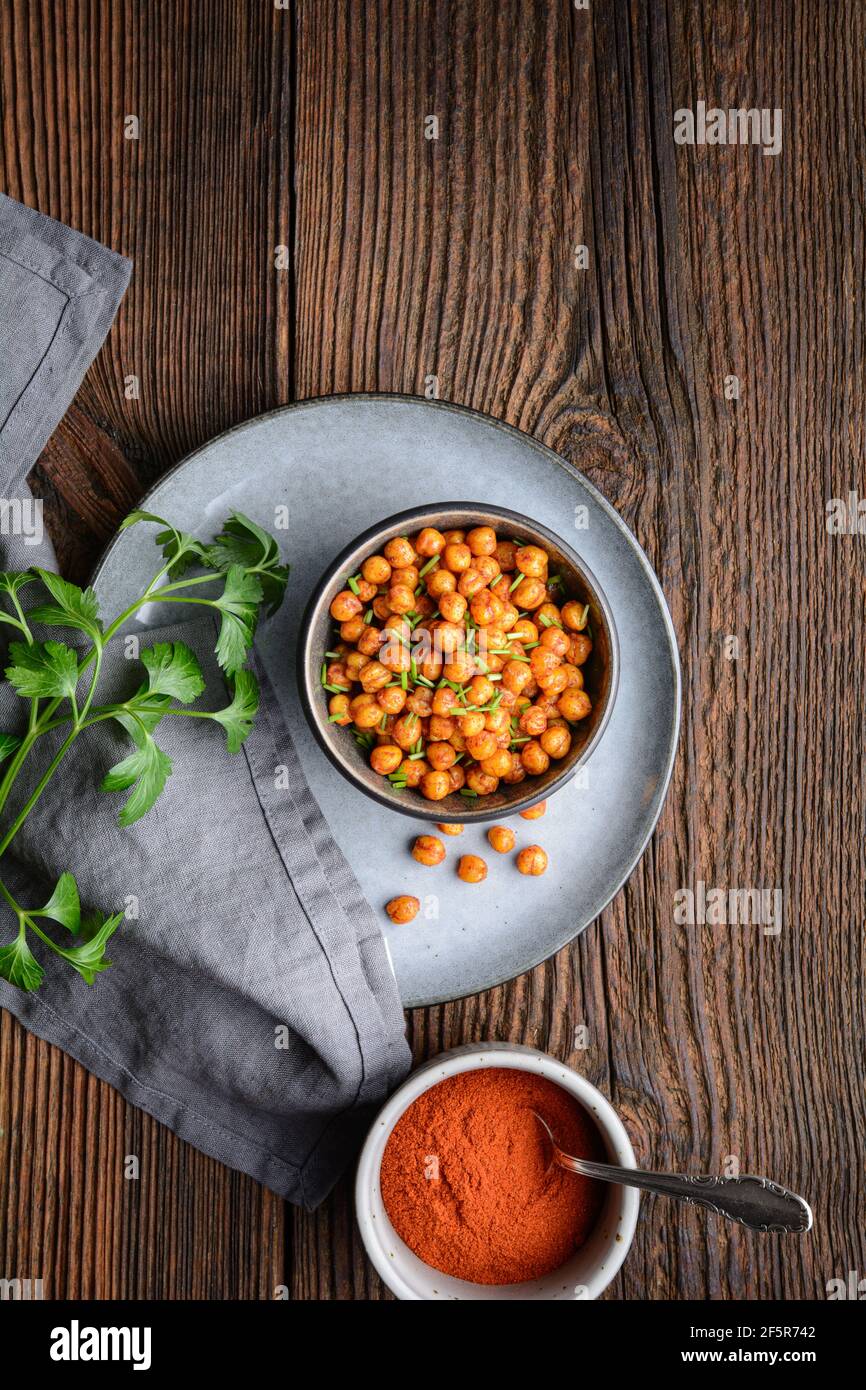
42	668
8	744
19	966
146	770
237	718
63	906
72	606
172	669
178	547
242	542
238	605
89	958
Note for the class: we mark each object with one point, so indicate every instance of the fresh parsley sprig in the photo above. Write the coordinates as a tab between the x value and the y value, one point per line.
234	576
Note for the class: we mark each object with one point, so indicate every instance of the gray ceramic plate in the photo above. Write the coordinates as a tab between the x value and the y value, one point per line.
341	464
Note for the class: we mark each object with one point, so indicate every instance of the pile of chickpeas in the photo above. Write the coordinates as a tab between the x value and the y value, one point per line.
471	868
457	662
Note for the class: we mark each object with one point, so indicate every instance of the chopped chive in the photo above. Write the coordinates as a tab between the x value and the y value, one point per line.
404	680
333	656
465	791
383	722
413	757
353	583
413	669
584	615
422	680
519	580
324	673
527	646
515	540
368	616
428	567
335	718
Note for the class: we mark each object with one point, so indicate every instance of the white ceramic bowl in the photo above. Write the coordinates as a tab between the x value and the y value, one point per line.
591	1268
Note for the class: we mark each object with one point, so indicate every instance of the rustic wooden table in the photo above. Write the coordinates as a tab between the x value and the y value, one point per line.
305	127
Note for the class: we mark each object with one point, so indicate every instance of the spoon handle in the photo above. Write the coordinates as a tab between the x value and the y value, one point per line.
755	1202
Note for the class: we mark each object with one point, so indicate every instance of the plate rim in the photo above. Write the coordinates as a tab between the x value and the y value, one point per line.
451	407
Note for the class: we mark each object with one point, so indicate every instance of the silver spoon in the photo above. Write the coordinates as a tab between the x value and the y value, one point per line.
758	1203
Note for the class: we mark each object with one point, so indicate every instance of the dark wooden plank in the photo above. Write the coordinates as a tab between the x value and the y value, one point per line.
454	258
199	202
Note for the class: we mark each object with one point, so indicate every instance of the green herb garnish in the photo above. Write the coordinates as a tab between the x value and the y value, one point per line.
242	573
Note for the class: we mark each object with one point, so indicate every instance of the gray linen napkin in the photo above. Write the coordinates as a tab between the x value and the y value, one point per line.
250	1005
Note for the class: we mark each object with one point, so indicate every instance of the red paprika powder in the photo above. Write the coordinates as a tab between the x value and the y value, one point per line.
467	1181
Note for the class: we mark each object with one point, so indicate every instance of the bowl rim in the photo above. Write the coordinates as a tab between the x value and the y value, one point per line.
468	1057
418	808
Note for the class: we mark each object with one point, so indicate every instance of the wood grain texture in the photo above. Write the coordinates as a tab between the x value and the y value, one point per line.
454	258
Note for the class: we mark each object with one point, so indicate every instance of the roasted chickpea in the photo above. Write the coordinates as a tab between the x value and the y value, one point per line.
459	667
502	587
403	909
429	850
531	560
401	598
429	542
506	554
485	607
555	640
414	770
354	663
477	780
442	726
516	675
370	640
470	582
435	786
529	594
386	758
510	618
431	666
353	629
452	606
534	812
421	702
455	827
381	607
524	630
488	566
366	711
399	553
395	655
481	690
481	540
472	724
441	582
517	773
338	710
556	741
445	700
533	721
376	570
574	704
472	868
575	615
497	720
501	838
548	616
532	860
542	661
581	646
454	537
407	731
498	764
458	777
456	557
482	745
534	758
441	756
574	674
392	699
345	605
409	576
338	674
366	590
553	684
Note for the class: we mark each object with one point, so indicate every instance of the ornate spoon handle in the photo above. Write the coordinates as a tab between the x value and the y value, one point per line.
758	1203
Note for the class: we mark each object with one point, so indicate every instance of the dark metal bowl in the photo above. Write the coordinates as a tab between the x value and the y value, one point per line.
601	671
